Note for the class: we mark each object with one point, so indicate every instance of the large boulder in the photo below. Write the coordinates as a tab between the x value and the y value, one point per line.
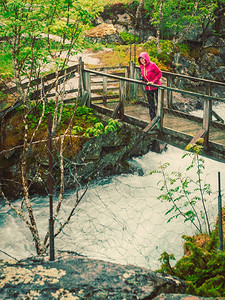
72	276
205	62
103	33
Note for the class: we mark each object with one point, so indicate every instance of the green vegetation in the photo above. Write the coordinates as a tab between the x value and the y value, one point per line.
187	194
120	56
97	130
202	267
85	123
128	38
6	70
83	115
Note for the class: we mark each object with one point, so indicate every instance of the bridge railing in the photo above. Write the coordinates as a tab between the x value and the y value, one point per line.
48	86
129	90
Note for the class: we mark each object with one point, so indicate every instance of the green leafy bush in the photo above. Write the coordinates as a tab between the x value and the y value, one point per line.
6	69
128	38
203	265
83	112
97	130
203	268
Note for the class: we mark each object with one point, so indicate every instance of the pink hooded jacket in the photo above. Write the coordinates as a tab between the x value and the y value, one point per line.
150	72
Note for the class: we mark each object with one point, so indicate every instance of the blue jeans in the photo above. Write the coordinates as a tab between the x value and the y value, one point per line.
152	96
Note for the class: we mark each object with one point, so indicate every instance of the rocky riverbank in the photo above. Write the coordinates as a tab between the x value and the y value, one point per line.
85	158
72	276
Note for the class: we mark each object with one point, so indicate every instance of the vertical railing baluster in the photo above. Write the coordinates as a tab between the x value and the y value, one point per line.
160	108
87	87
169	93
207	117
122	98
104	92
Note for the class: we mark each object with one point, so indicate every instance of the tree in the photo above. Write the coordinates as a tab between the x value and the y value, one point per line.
177	18
138	18
37	33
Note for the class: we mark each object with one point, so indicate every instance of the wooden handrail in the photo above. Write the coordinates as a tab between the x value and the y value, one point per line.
156	85
191	77
43	79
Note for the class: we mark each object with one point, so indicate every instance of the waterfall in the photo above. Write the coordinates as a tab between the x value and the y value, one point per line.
119	220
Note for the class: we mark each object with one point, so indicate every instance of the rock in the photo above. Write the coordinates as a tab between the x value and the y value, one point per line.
108	154
72	276
95	158
185	65
209	65
212	67
103	33
180	297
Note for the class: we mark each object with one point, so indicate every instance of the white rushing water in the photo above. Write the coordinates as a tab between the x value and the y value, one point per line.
119	220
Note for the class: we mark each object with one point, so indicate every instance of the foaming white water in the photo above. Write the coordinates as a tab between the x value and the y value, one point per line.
120	219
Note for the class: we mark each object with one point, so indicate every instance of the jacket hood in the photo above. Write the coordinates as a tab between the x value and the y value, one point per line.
145	56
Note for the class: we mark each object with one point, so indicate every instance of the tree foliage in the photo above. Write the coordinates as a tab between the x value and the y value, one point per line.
177	17
37	34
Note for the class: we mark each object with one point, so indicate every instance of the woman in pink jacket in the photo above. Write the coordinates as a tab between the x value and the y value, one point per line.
151	74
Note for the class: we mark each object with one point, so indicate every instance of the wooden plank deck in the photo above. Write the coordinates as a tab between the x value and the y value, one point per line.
177	130
177	123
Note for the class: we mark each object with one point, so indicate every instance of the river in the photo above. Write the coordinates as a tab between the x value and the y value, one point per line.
120	219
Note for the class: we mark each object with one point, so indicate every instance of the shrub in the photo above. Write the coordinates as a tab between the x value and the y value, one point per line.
128	38
203	268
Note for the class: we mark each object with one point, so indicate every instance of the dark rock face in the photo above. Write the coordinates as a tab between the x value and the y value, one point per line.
72	276
108	155
97	158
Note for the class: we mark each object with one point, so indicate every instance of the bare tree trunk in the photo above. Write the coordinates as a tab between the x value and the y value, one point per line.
139	19
158	28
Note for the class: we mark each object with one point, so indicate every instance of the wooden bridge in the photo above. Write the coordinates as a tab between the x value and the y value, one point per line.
118	93
171	124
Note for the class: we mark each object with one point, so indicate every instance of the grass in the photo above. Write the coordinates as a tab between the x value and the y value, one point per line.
120	55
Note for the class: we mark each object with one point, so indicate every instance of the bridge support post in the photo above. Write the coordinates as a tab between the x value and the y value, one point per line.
136	76
81	80
207	118
131	75
87	87
126	85
122	98
169	93
104	92
160	108
119	110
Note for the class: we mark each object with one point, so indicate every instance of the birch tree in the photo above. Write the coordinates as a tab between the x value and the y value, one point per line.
37	33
